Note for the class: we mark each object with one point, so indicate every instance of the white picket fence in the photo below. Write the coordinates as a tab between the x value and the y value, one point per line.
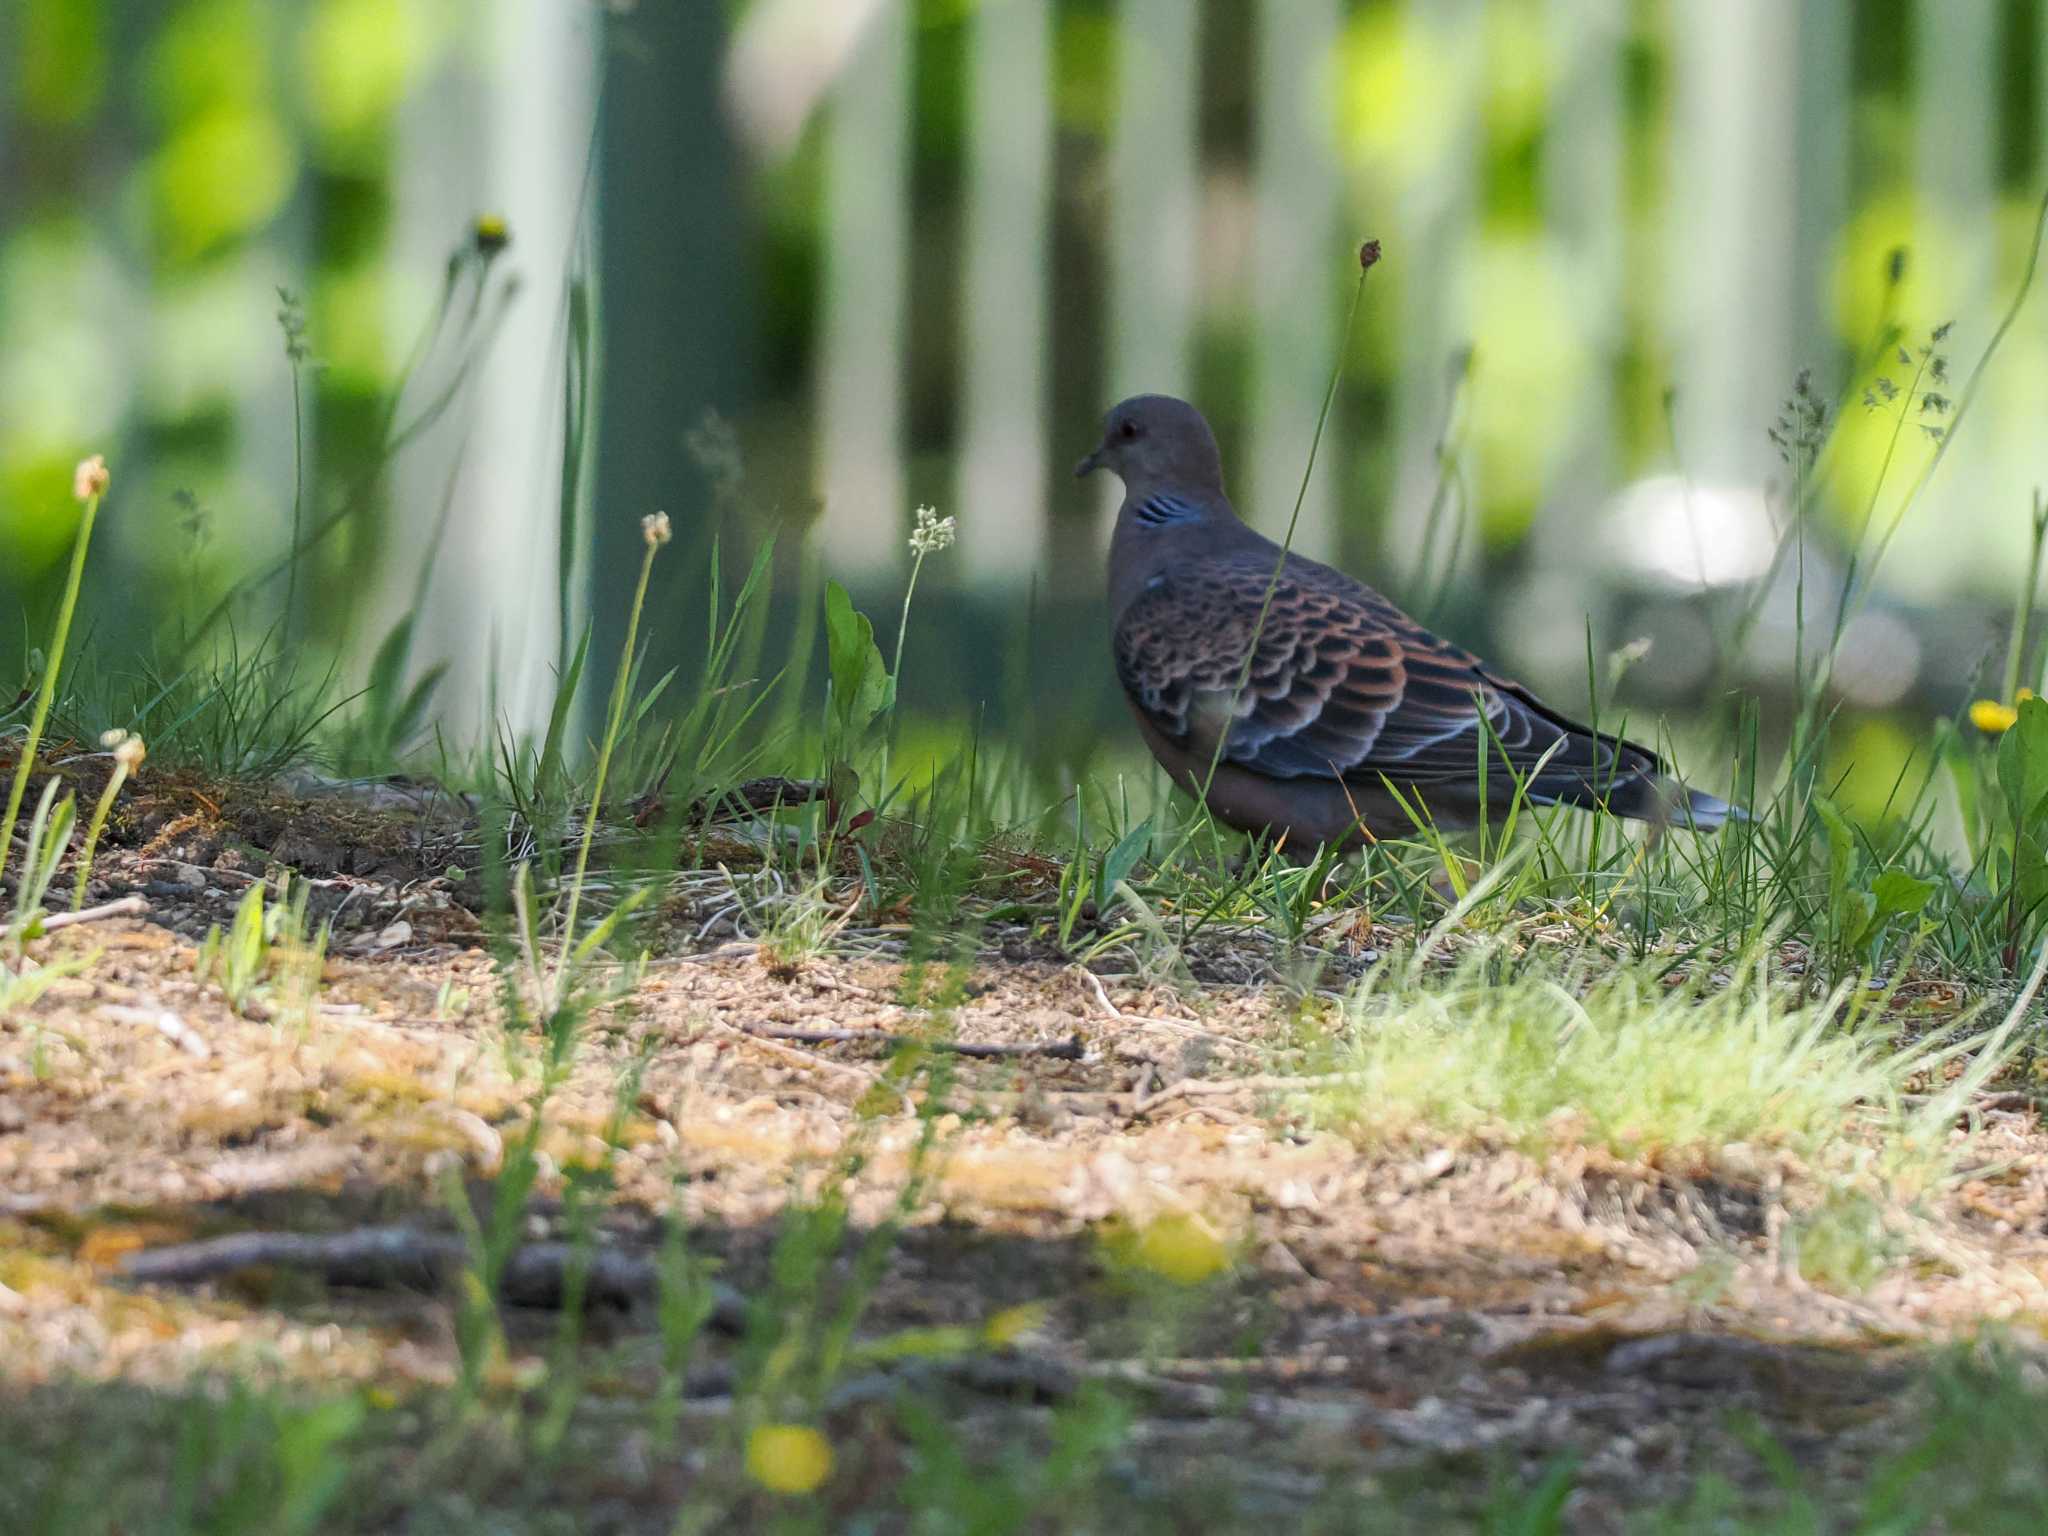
1711	262
1704	252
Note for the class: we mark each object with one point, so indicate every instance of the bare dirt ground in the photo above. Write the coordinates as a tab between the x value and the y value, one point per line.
1393	1311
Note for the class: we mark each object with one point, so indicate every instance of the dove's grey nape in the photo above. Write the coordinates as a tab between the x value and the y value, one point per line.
1350	706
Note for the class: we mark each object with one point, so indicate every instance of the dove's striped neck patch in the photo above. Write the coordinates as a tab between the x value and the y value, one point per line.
1158	511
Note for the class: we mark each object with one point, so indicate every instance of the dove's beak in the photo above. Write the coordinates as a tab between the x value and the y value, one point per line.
1089	465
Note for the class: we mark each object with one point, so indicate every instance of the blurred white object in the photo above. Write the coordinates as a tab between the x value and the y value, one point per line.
1879	660
1689	535
784	60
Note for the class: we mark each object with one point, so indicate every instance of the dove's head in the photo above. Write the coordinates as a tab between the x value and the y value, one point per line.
1156	443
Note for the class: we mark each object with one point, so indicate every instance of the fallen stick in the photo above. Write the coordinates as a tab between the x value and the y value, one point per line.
1173	1026
1046	1378
767	794
1070	1049
764	794
1131	1104
127	906
1983	1103
797	1057
164	1022
2018	1098
535	1274
1135	1103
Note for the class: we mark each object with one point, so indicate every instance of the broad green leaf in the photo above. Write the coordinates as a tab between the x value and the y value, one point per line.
861	685
842	787
413	712
1840	838
1856	918
2023	764
1841	854
1899	894
387	670
2030	871
549	771
1118	863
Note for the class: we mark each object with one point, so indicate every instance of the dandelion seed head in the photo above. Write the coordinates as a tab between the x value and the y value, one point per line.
90	479
654	528
129	752
112	739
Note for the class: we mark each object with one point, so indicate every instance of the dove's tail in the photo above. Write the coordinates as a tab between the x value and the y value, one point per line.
1646	796
1698	810
1599	772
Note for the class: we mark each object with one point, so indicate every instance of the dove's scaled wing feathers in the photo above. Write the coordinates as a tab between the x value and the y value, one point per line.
1342	685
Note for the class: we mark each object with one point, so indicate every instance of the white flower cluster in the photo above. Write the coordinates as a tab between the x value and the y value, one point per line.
932	533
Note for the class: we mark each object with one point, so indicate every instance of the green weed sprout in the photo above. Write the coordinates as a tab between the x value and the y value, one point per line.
864	688
2007	804
89	485
264	944
493	1234
49	834
128	755
655	531
237	959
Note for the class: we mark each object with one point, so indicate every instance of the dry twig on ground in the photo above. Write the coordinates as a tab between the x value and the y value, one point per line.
535	1275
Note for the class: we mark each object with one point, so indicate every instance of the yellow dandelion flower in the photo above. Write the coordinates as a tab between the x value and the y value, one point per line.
491	234
788	1458
1994	718
1182	1248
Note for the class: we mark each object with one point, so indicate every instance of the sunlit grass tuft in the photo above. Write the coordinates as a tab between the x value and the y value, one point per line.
1674	1076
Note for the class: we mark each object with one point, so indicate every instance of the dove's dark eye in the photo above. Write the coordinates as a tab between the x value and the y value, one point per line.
1129	429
